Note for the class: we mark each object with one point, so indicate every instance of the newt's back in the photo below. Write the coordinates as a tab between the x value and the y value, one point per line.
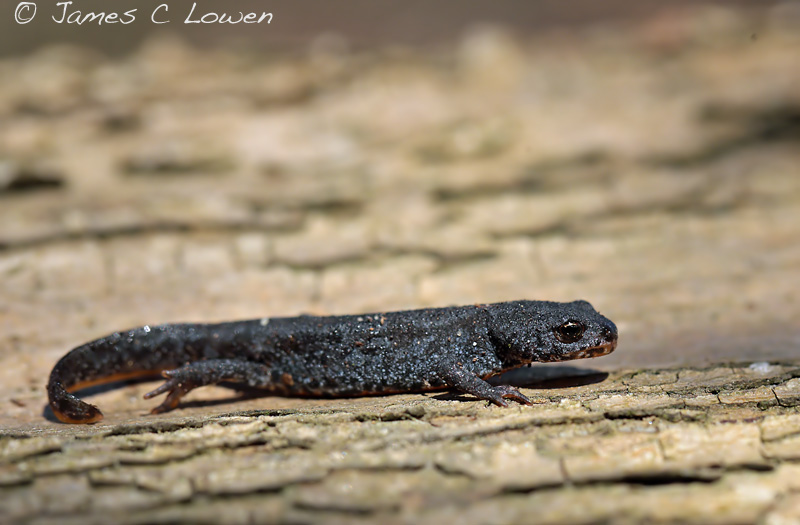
370	353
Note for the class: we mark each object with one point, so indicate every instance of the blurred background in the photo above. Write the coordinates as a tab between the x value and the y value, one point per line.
362	23
369	156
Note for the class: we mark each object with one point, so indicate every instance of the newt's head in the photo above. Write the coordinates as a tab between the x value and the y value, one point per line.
542	331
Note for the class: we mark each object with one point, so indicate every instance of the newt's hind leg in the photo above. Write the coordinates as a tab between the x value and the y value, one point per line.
183	380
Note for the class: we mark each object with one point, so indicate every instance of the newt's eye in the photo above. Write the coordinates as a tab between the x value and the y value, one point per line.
570	332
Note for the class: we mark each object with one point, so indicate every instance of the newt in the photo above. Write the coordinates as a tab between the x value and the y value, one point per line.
338	356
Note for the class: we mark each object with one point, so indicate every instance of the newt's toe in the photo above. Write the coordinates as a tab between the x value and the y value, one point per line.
177	388
509	392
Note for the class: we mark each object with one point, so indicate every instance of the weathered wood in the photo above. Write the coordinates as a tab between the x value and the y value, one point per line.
720	446
654	172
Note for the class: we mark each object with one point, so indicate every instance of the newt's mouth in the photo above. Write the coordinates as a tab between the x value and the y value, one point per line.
594	351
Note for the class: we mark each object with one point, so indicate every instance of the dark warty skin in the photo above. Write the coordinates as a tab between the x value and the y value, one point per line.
339	356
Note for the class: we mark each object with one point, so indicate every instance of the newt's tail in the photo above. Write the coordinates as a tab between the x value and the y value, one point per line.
140	352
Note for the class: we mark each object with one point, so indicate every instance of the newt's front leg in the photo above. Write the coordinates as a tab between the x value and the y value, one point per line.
183	380
468	382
